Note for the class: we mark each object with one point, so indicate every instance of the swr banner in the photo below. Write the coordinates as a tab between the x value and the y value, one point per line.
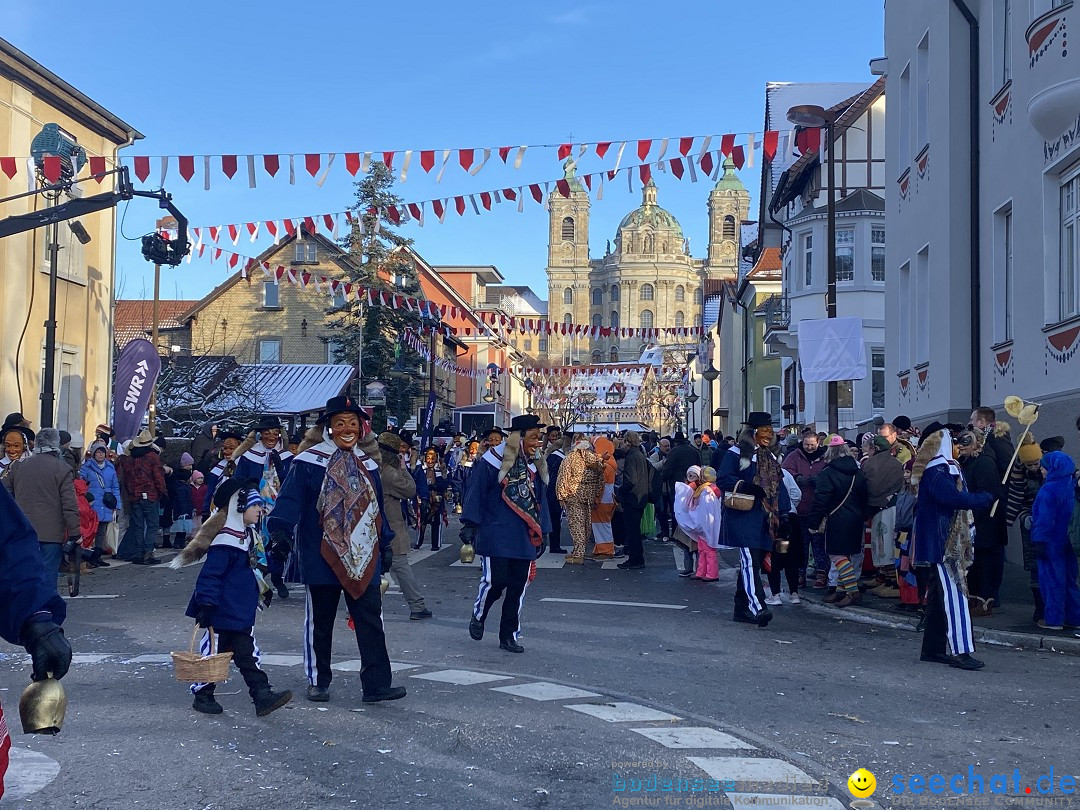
137	370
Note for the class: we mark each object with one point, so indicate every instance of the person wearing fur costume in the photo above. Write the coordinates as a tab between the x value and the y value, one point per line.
431	486
751	466
942	538
331	508
578	488
263	457
506	517
230	590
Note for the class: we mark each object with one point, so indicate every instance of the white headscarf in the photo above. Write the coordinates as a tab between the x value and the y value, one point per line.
945	456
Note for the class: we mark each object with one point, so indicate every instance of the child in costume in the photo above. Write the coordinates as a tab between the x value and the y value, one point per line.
230	589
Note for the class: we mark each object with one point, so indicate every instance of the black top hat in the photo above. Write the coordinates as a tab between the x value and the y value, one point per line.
1052	443
902	423
757	419
267	421
229	434
342	404
494	429
13	420
527	421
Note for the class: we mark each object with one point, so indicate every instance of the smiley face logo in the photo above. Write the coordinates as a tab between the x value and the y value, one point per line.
862	784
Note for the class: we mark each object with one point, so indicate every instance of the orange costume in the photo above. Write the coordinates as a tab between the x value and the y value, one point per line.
604	510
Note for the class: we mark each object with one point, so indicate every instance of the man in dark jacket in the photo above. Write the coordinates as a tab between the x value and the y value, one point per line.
682	457
632	496
43	486
996	440
981	475
805	464
884	479
554	456
142	479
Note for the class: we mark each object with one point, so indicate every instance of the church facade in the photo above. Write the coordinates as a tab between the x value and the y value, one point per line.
647	279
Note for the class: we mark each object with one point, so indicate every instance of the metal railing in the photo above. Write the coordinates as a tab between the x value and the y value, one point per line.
777	312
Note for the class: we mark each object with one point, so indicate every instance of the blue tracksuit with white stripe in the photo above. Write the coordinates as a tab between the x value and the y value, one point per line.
502	540
948	616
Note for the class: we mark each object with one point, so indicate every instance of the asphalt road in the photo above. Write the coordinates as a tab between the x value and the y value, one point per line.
788	710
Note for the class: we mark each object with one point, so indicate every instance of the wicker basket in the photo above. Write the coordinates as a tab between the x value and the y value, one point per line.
738	501
193	667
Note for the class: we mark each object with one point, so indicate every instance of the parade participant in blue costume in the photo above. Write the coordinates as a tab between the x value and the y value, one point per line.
464	470
943	539
264	458
431	485
1050	516
454	454
230	590
331	508
506	518
225	467
30	610
554	456
751	468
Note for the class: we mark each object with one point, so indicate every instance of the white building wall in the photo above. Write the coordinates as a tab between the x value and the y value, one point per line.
1021	171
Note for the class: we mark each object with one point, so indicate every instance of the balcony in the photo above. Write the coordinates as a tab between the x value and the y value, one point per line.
1053	73
777	311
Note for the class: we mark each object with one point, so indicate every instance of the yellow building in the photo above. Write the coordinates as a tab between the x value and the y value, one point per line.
30	97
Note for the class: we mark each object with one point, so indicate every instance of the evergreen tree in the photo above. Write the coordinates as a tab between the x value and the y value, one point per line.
373	334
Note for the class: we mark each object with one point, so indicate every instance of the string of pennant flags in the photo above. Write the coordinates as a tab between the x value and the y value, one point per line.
567	373
317	165
331	224
337	288
420	346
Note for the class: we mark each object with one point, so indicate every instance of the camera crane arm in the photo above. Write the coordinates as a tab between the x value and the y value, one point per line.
173	251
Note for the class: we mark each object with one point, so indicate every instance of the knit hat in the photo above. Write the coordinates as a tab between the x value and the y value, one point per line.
881	444
185	459
694	470
1030	453
391	441
1052	443
99	446
65	438
197	478
902	423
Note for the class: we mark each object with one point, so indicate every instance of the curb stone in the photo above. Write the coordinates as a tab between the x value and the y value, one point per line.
998	638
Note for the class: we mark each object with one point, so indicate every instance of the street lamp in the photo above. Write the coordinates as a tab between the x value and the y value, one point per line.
811	116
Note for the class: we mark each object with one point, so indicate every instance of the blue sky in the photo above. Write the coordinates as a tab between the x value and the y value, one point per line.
213	78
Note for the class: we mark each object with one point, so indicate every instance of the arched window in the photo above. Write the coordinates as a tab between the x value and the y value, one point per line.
568	229
597	357
597	321
614	319
568	318
597	296
614	292
648	243
614	354
697	296
680	293
729	227
646	319
647	292
568	296
680	320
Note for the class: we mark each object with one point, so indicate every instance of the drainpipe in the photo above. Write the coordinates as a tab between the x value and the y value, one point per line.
973	146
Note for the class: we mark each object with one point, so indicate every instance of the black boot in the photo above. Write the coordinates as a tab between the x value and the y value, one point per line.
267	700
205	701
1036	594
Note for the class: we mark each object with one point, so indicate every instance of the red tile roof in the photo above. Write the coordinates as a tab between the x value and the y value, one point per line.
134	318
768	264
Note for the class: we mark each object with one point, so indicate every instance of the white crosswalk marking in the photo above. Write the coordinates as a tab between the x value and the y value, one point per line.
156	658
619	712
355	665
418	554
28	772
461	677
277	660
551	561
696	737
752	769
541	690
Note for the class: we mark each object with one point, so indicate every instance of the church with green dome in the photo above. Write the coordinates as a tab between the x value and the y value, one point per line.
646	278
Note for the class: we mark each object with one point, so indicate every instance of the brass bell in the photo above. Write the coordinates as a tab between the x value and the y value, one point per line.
384	585
42	707
467	553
